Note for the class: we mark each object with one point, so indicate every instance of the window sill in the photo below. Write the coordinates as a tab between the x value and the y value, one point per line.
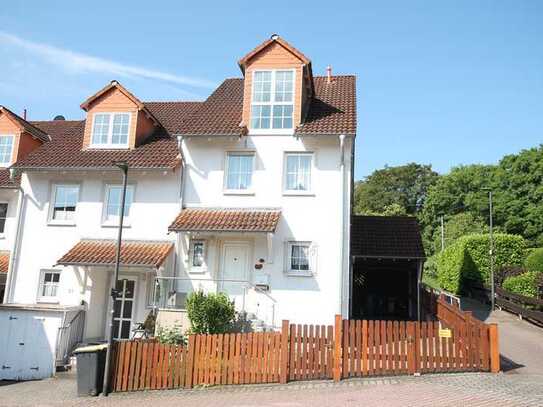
2	236
116	224
299	274
238	192
107	147
298	193
271	132
46	300
197	270
58	223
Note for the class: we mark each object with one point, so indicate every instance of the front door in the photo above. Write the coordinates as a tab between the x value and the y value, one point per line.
235	271
123	309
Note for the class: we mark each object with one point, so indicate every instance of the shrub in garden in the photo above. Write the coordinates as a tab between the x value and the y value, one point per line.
171	336
534	260
467	261
210	313
523	284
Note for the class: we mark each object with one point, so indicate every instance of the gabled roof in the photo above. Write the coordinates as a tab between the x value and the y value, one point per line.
226	220
116	85
158	151
394	237
332	110
89	252
274	39
24	125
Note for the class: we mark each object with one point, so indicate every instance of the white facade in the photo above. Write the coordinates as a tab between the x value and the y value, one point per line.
9	197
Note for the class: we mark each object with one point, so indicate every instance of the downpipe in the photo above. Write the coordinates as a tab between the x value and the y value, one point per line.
342	220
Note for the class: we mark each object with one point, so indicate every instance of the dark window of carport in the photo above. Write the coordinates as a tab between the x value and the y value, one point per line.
387	259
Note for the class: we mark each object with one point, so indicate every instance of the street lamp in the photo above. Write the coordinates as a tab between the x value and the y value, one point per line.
491	252
123	166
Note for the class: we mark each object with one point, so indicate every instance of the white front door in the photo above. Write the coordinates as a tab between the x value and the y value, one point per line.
235	267
123	309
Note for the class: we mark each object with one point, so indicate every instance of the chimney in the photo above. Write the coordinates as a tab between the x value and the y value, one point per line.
24	114
328	74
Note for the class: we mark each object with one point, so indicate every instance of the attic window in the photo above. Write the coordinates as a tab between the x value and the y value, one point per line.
110	130
6	149
272	102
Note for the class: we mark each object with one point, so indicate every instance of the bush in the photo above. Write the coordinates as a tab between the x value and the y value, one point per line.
171	336
467	261
507	271
534	261
210	313
524	284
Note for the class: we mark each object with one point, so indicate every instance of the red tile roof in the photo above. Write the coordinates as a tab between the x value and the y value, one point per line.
102	253
226	220
65	149
27	126
4	261
331	112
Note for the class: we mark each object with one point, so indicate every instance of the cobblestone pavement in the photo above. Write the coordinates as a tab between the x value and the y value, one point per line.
468	389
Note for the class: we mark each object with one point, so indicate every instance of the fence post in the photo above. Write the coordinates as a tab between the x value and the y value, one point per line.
189	371
337	348
494	348
413	343
285	365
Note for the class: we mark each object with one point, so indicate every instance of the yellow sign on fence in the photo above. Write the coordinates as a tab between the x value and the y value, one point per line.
445	333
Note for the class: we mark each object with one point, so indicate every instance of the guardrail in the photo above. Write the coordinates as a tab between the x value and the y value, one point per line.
525	307
70	334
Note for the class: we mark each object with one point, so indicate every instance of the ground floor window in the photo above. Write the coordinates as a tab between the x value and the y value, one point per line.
300	258
49	286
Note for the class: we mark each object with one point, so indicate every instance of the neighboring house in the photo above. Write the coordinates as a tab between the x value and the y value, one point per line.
247	193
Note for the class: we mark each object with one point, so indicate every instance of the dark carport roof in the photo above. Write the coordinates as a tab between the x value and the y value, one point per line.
394	237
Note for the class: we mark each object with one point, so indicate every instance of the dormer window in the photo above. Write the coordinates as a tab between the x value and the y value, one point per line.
110	130
272	101
6	149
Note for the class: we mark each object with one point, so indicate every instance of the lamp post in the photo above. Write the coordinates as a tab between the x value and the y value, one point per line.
123	166
491	251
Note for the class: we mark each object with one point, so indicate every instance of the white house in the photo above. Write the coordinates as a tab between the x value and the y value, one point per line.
247	193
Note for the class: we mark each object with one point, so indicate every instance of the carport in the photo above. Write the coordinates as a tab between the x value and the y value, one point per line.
387	258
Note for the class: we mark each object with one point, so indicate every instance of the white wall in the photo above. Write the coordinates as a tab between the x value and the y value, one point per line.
9	196
316	218
156	203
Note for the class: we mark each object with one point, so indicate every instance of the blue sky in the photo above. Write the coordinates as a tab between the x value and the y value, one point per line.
439	82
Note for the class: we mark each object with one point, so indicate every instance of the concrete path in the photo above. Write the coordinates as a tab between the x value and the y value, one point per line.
521	343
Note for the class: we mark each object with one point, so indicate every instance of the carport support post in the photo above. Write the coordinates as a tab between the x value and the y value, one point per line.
124	168
419	280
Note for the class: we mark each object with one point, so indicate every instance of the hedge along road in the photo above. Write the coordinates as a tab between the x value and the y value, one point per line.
521	343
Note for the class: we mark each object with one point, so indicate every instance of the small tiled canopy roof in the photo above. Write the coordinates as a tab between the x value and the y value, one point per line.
386	237
226	220
102	253
4	261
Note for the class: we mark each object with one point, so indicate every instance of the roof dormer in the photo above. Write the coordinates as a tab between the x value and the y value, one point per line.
17	137
116	119
277	88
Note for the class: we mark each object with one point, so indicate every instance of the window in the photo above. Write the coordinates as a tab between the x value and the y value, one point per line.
197	255
113	203
6	147
239	171
298	172
110	130
300	258
65	199
272	100
49	286
3	216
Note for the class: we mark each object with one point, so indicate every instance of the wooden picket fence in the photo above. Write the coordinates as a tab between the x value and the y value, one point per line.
455	342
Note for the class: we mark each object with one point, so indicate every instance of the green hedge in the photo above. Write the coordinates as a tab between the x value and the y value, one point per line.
524	284
534	261
467	260
210	313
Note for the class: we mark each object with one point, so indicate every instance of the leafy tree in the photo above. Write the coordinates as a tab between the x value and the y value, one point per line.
457	226
394	190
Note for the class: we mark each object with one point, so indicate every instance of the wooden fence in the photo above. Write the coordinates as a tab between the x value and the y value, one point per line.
456	342
525	307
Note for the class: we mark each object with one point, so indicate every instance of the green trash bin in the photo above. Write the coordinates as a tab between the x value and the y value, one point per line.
91	363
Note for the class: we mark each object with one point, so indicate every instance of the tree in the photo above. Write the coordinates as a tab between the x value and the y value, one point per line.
457	226
394	190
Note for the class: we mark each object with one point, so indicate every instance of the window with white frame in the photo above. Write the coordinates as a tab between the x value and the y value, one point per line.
298	172
112	206
49	286
239	171
6	149
110	130
300	258
272	103
197	254
3	216
65	198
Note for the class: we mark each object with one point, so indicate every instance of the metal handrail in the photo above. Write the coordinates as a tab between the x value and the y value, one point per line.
69	335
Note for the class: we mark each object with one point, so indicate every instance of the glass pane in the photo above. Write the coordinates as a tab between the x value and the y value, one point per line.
198	254
100	129
65	202
129	289
125	330
6	143
2	225
117	309
127	310
120	129
113	208
116	329
3	210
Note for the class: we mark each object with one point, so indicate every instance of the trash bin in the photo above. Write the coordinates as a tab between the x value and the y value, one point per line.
91	363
